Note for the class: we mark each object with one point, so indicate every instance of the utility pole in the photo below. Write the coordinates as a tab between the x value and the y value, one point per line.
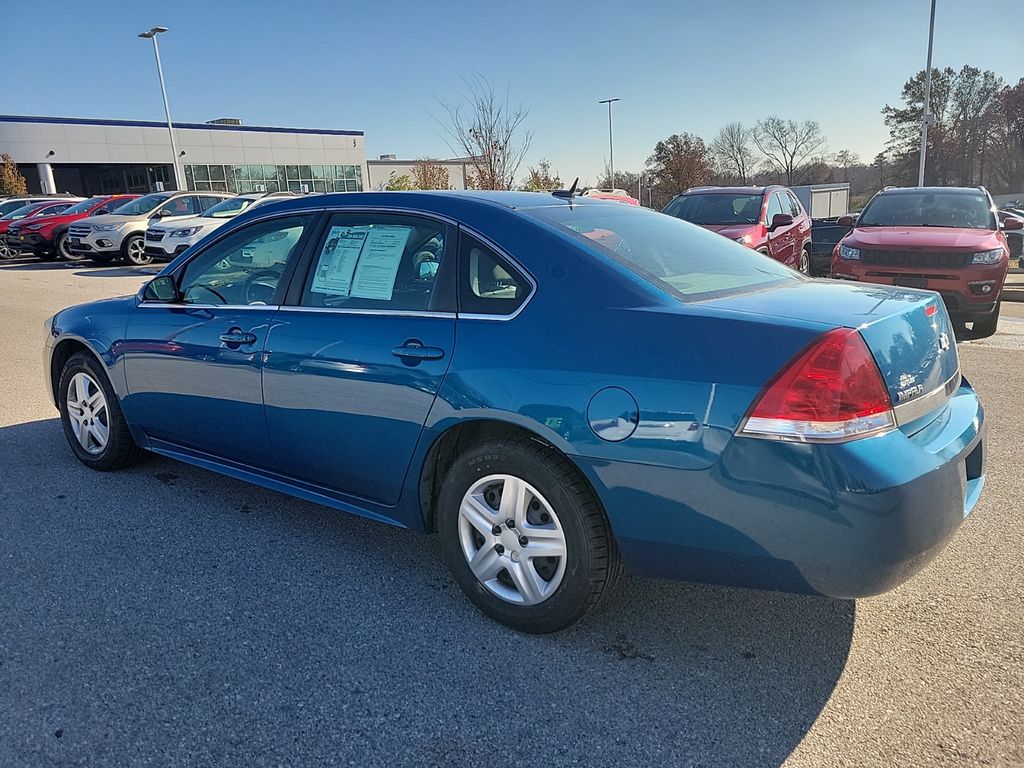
927	117
611	144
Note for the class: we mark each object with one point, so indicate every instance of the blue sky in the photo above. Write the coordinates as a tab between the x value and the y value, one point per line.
382	65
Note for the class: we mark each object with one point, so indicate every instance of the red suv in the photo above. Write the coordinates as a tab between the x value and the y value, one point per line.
48	238
946	239
767	219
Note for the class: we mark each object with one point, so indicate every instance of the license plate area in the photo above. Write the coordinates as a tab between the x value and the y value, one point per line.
910	282
76	241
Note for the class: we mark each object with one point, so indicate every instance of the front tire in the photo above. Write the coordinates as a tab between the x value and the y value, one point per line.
91	416
63	249
524	535
135	251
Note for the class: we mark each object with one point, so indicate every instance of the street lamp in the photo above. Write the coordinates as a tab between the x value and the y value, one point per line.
151	35
927	117
611	146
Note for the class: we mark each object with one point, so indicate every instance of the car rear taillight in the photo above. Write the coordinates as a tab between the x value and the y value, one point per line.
830	392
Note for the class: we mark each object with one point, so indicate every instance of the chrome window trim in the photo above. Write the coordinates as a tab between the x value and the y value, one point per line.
921	406
143	304
344	311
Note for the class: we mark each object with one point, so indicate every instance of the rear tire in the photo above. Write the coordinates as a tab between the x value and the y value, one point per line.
554	510
985	328
91	415
804	264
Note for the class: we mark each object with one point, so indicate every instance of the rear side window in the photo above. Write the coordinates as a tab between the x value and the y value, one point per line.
684	260
488	284
381	262
794	205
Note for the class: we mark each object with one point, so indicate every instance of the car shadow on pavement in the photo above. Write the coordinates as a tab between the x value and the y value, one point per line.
120	271
166	610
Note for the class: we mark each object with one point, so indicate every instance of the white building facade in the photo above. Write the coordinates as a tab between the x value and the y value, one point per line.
94	156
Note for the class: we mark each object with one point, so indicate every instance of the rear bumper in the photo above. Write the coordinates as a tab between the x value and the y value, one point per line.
845	521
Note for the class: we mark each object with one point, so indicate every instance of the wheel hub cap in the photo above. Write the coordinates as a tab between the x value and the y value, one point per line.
87	413
512	539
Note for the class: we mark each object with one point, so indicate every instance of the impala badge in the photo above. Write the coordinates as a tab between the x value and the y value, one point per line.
943	342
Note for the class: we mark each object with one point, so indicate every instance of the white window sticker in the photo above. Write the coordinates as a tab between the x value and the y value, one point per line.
338	260
378	263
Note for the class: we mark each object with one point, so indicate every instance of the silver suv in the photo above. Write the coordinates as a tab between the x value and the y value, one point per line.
119	234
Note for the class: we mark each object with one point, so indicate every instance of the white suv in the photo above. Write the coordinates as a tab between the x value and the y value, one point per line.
165	241
120	234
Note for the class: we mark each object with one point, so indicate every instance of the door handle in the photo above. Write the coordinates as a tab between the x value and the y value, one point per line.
413	351
237	337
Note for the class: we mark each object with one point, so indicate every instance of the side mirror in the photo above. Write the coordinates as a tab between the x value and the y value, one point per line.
780	220
1013	223
162	289
845	221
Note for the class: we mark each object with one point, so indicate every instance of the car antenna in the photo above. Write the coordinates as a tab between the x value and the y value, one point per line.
569	193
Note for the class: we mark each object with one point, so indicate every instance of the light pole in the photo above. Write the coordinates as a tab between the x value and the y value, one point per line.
927	117
151	35
611	145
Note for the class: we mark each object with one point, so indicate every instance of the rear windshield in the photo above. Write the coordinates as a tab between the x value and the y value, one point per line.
716	208
682	259
142	205
968	210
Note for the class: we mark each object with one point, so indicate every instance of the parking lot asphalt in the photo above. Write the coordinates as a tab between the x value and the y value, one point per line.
170	616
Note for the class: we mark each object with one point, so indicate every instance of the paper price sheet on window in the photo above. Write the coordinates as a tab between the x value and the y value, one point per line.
360	262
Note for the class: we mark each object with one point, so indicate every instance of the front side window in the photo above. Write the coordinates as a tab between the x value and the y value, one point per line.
488	284
716	208
688	262
380	261
774	207
954	208
186	205
143	205
245	267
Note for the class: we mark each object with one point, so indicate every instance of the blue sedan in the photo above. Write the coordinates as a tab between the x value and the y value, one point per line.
559	387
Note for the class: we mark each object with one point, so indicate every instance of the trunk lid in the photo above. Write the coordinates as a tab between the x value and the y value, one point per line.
907	330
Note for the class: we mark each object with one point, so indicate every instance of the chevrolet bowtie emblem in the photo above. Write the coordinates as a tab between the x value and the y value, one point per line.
943	342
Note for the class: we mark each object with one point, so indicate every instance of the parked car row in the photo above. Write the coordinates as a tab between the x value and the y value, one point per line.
951	240
107	228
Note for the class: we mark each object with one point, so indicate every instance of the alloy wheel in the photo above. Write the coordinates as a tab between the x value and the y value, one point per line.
137	252
64	249
88	413
5	252
512	539
805	263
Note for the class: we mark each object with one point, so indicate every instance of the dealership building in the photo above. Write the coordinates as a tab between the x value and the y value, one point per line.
86	157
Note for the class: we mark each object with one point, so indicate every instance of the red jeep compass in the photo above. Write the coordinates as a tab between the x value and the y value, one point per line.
767	219
946	239
48	238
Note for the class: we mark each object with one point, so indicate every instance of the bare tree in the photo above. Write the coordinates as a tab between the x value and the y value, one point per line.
788	145
733	153
844	158
488	130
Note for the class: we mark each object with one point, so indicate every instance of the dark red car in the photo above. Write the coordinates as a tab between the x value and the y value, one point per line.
48	238
767	219
39	208
945	239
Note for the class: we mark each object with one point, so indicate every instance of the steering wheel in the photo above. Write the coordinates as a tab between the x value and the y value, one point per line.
207	288
262	281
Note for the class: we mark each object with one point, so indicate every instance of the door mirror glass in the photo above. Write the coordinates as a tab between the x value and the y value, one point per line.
1013	223
161	288
780	220
845	221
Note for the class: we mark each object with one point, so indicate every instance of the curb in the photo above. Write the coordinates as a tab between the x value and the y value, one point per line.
1013	294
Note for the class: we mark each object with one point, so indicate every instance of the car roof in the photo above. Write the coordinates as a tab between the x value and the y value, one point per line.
734	190
931	190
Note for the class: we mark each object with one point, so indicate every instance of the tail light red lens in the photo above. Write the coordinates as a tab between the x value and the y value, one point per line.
830	392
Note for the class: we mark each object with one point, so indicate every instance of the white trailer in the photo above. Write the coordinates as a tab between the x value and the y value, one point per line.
824	201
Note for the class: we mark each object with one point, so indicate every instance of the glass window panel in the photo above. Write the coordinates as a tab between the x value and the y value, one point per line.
339	186
293	172
203	185
190	178
294	186
281	176
244	187
216	173
351	185
319	186
202	172
271	186
242	172
318	171
305	172
219	186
